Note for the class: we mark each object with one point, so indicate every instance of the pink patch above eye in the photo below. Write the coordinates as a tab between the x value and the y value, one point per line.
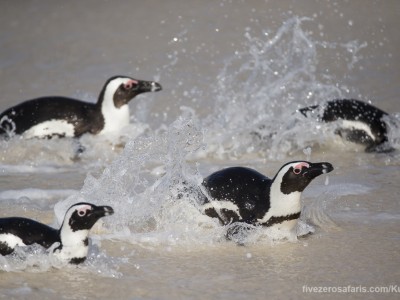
130	83
297	168
301	165
83	210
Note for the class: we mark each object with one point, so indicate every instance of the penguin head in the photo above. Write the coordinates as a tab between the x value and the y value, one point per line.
296	176
119	90
80	218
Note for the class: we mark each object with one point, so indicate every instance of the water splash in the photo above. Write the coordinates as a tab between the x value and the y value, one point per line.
153	186
260	89
393	122
21	155
143	201
153	208
36	259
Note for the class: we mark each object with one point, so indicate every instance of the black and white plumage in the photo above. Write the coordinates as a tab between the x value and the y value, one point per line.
72	236
361	122
51	116
239	194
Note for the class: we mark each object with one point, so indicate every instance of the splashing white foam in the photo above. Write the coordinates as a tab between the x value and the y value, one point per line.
260	89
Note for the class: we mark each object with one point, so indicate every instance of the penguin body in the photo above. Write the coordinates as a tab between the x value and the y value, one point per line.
72	236
361	122
239	194
56	116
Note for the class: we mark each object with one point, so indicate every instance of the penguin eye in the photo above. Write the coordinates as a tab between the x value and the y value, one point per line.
299	167
81	213
128	86
297	171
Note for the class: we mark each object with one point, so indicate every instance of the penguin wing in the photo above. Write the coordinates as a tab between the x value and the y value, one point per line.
29	231
26	115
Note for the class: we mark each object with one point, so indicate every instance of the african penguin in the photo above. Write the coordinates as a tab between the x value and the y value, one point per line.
361	122
52	116
72	236
239	194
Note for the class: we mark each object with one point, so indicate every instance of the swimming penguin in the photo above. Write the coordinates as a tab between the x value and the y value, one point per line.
361	123
47	117
72	236
239	194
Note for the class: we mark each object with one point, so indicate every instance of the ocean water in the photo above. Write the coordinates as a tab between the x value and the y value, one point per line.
233	75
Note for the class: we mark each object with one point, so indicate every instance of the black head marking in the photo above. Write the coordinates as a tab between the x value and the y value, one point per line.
299	175
131	88
128	89
126	92
85	215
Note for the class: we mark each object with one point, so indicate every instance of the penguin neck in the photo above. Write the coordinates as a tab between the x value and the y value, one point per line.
282	205
115	118
74	244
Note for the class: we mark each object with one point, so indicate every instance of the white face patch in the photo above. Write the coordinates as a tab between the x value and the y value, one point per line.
114	118
11	240
50	128
358	126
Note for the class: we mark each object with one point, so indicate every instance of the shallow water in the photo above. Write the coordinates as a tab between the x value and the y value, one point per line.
231	71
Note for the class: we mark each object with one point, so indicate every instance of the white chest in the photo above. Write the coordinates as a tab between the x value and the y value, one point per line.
73	244
114	118
281	206
69	252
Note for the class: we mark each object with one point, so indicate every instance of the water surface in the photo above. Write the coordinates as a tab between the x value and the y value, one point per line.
229	69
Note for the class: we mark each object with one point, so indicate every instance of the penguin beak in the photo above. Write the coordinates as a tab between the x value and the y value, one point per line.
101	211
317	169
149	86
